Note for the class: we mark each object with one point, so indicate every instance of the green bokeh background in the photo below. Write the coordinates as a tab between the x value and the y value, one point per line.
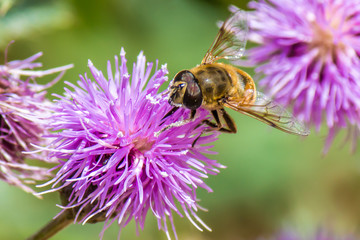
273	180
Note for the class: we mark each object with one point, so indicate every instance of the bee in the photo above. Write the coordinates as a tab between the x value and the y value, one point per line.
213	85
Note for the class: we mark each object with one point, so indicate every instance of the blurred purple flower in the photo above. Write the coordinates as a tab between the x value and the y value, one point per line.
309	55
116	163
23	118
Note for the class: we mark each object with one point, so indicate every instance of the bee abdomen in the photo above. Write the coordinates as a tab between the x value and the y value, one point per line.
246	82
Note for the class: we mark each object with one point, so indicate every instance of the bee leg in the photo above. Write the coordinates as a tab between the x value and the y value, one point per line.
178	123
192	114
218	126
171	112
211	124
214	126
229	122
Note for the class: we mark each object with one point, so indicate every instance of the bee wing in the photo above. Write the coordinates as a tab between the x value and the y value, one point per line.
231	39
269	112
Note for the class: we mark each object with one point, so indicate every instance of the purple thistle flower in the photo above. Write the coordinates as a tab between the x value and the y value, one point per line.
23	118
309	55
116	163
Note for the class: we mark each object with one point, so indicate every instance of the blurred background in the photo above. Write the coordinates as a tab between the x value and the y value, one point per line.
272	181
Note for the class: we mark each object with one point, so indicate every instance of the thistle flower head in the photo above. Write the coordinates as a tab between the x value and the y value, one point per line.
24	113
116	162
309	55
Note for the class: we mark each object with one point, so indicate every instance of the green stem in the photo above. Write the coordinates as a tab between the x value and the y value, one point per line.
54	226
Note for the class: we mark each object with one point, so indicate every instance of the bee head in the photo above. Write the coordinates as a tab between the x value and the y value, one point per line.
185	91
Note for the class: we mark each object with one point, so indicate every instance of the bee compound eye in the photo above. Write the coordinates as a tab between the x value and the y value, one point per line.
184	76
193	96
178	76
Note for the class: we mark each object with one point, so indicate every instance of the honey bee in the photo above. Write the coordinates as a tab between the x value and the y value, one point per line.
214	85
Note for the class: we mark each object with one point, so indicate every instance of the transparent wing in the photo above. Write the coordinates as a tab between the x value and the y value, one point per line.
231	39
269	112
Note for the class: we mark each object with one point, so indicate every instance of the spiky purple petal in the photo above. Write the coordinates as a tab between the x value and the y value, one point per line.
24	114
